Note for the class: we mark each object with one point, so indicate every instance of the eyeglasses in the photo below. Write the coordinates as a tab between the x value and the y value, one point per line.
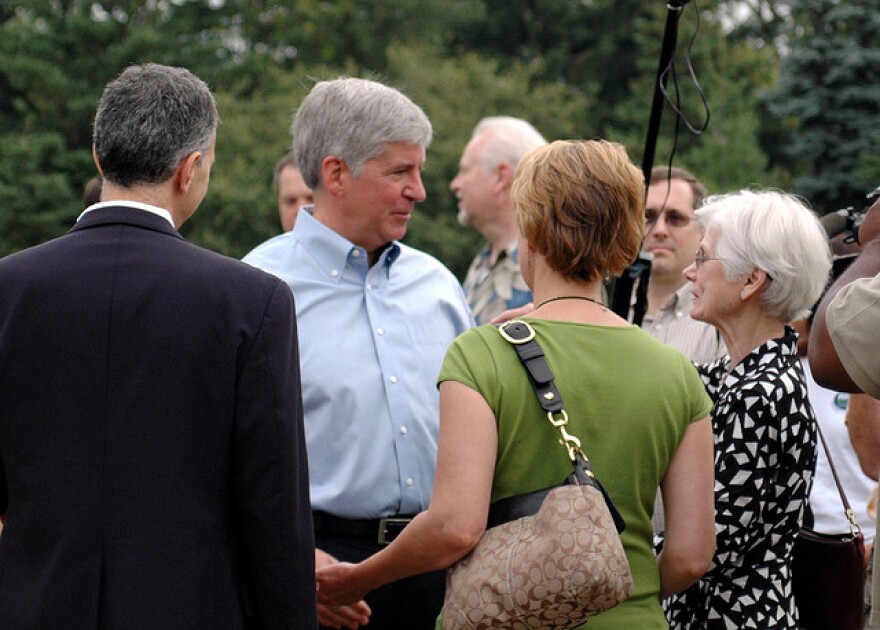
674	218
700	258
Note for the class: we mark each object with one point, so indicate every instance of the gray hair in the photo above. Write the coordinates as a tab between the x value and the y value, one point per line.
509	139
777	233
355	120
150	118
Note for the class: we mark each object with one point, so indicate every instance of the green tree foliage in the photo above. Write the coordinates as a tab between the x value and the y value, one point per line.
240	210
760	23
354	31
455	94
55	58
828	91
573	68
727	154
30	211
46	104
589	46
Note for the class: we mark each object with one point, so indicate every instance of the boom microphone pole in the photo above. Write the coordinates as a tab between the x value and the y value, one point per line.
640	270
667	50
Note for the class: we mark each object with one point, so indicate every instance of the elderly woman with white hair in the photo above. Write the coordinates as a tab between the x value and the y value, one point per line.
763	261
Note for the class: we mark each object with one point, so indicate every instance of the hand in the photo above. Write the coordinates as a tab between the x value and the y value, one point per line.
337	585
870	228
513	313
351	616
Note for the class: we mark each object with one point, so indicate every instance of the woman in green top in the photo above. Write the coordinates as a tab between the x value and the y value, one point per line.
638	406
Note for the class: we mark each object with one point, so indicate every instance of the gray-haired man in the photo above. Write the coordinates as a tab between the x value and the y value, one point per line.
375	317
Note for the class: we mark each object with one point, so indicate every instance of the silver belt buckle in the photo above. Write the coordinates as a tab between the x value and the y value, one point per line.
396	524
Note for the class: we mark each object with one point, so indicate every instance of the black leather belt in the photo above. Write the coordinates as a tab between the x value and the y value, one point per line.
376	530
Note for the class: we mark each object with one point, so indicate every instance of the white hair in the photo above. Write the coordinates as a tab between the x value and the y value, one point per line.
509	140
775	232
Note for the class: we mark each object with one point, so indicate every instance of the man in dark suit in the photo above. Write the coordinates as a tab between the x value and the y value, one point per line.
152	462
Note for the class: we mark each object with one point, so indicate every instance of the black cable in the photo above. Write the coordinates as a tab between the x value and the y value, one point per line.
639	271
670	71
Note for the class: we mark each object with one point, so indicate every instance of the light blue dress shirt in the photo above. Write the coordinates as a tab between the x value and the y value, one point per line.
372	340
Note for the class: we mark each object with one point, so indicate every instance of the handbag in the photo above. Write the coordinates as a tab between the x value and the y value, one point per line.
828	571
551	558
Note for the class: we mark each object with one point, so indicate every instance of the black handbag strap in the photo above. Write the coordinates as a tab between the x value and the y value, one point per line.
522	337
854	526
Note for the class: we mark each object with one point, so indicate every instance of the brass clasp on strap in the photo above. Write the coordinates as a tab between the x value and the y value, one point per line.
570	442
854	527
502	330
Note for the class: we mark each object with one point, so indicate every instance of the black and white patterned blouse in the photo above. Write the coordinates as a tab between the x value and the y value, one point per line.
765	454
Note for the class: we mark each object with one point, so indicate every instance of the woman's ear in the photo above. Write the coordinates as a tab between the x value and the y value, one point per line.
754	283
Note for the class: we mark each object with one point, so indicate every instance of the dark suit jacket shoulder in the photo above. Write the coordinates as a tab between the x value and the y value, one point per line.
151	437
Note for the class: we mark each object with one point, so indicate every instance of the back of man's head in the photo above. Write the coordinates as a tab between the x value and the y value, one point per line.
149	118
354	120
508	139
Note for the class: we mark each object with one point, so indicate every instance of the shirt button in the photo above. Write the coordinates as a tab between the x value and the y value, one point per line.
393	379
410	482
380	331
369	287
334	273
356	253
403	430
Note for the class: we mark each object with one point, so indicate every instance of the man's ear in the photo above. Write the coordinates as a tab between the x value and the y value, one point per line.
504	172
334	175
754	283
184	174
97	163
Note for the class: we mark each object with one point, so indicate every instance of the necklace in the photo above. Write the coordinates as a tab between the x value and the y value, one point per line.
571	297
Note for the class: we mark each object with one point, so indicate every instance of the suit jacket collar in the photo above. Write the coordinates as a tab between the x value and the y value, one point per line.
127	215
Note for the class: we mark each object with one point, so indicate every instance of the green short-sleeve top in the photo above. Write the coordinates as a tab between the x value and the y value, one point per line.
629	399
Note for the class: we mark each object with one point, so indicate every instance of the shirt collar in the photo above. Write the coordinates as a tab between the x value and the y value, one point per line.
335	252
678	303
782	348
510	251
162	212
683	298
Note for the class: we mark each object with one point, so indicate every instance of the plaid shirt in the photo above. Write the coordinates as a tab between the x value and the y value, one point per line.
493	289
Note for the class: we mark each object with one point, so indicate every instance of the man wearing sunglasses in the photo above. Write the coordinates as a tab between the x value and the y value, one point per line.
672	236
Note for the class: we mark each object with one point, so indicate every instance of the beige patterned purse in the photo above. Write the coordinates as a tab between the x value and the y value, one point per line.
550	558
